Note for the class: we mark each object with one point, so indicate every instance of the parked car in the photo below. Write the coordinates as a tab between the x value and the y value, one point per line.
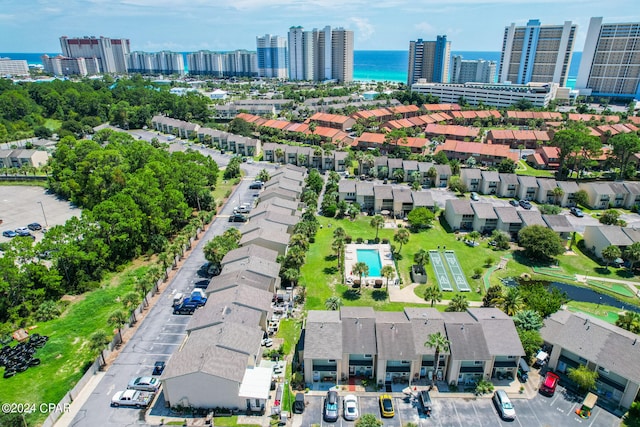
474	196
9	233
21	230
137	398
34	226
523	370
504	405
256	185
350	407
525	204
158	367
242	209
186	307
25	233
513	202
198	297
386	406
425	402
577	212
237	218
267	342
144	384
298	404
331	407
549	384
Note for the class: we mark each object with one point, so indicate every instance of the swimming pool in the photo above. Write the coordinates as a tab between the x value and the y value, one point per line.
371	257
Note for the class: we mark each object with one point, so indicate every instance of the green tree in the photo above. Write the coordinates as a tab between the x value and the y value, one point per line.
388	272
540	242
507	166
130	301
629	320
432	294
421	257
584	377
473	235
439	343
338	246
632	254
420	218
117	319
292	275
377	222
494	293
402	237
456	184
545	301
610	217
568	142
501	239
528	320
582	198
610	254
531	341
458	303
368	420
333	303
557	194
240	127
398	175
511	301
263	175
624	146
361	269
98	340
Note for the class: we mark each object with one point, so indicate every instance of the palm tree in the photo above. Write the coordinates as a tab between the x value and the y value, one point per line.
279	152
361	269
97	341
473	235
292	275
117	319
432	173
388	272
557	194
415	185
130	301
458	303
300	241
433	294
421	257
630	321
263	175
333	303
511	301
376	222
611	253
398	175
632	254
440	344
339	233
154	274
295	257
402	237
338	246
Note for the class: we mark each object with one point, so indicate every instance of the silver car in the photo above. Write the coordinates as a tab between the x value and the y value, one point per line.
144	384
504	405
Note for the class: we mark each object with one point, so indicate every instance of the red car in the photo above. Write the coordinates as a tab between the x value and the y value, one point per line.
548	386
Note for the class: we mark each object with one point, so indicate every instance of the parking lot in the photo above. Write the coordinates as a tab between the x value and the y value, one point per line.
20	205
540	411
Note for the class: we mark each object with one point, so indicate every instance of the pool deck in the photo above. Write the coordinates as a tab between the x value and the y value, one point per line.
351	257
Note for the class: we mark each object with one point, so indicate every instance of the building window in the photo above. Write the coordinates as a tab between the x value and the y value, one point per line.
367	356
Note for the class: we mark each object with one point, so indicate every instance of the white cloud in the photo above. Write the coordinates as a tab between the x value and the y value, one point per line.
425	28
364	28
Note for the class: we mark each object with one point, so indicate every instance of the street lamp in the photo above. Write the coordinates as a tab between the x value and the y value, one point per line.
44	215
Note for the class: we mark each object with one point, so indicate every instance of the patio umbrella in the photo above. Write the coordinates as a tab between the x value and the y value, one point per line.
385	212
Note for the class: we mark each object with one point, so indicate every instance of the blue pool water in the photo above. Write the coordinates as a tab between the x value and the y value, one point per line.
371	257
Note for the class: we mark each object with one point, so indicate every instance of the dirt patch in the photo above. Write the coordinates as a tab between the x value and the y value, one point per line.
73	298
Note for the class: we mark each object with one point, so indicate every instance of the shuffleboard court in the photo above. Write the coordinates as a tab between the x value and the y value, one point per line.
456	271
441	272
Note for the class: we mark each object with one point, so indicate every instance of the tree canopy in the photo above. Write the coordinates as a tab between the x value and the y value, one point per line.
540	242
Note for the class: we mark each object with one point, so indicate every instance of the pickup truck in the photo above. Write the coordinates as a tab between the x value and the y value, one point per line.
139	399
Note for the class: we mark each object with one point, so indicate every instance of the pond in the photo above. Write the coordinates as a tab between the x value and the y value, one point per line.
577	293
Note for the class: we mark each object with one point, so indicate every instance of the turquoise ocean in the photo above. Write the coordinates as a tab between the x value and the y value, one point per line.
368	65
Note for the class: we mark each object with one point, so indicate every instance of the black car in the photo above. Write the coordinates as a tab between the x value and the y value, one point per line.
34	226
158	367
298	404
237	218
255	186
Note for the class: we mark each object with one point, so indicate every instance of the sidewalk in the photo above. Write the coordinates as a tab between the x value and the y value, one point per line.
630	284
67	417
407	294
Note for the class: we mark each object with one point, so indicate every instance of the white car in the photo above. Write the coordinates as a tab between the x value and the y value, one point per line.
350	406
144	384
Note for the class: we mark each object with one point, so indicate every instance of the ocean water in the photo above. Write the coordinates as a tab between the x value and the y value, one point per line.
368	65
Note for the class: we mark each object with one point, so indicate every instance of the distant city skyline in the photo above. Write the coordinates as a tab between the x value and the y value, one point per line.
223	25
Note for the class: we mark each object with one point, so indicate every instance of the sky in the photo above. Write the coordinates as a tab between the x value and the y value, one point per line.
222	25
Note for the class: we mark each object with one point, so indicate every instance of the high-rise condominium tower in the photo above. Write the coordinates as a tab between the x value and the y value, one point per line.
536	53
429	60
479	71
325	54
111	53
610	64
272	56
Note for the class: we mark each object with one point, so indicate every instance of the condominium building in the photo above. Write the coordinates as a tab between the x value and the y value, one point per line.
319	55
164	62
610	63
65	66
497	95
479	71
238	63
536	53
111	53
13	67
272	56
429	60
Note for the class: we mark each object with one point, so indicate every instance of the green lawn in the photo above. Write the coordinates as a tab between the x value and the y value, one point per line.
66	355
525	169
53	124
604	312
223	186
230	422
289	330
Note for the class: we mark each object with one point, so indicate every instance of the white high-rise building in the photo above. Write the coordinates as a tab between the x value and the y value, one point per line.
536	53
111	53
272	56
13	67
163	62
319	55
238	63
429	60
610	65
479	71
65	66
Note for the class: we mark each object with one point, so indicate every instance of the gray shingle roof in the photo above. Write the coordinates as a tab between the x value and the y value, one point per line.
632	187
484	210
509	178
248	251
499	331
265	207
508	215
364	188
359	335
424	322
213	314
323	335
382	192
346	186
531	218
607	345
600	187
618	188
394	163
394	337
460	206
255	265
268	234
425	166
466	337
468	173
527	181
558	223
443	169
260	223
490	176
410	165
615	235
245	295
422	198
282	203
235	278
633	233
569	187
402	195
547	184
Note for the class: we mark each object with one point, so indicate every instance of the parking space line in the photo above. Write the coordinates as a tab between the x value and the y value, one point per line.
455	408
533	411
172	333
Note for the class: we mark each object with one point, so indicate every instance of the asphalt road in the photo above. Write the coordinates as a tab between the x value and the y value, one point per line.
161	332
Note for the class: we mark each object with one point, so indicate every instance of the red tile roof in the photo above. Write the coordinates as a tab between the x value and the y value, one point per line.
460	131
477	148
586	117
329	118
441	107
